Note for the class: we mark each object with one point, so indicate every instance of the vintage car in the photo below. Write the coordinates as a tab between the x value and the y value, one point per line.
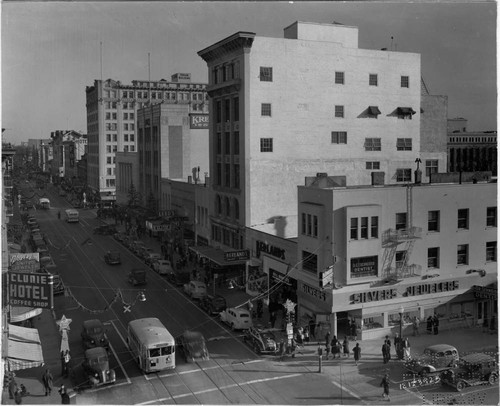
112	258
162	266
119	236
137	277
195	289
261	340
237	318
436	358
178	278
213	304
93	334
472	369
96	366
149	257
105	229
193	347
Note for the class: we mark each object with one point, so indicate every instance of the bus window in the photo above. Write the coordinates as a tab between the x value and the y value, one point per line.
154	352
167	350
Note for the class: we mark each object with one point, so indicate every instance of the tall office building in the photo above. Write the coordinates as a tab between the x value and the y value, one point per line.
111	120
311	102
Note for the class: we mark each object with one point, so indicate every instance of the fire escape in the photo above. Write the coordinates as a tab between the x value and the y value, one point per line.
402	240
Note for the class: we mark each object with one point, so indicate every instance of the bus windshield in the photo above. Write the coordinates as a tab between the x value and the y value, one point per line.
157	352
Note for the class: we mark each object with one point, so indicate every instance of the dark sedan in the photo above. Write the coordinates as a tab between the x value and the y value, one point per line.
193	346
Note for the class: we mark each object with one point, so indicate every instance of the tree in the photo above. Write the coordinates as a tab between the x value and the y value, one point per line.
134	197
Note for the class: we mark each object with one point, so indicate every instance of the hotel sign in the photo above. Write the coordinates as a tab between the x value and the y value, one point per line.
197	121
364	266
31	290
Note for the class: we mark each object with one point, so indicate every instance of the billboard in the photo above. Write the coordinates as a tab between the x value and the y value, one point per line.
197	121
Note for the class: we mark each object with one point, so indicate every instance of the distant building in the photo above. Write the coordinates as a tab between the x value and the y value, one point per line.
111	119
470	151
67	148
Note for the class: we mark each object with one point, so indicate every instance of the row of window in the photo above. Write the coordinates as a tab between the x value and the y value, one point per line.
364	227
113	116
434	224
372	79
227	143
227	237
372	144
155	95
309	225
229	207
227	107
224	179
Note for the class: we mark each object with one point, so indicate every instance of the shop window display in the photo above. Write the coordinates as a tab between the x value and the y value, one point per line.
373	322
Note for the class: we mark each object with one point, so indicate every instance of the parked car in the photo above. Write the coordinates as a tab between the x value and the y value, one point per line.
237	318
178	278
436	358
472	369
136	245
112	258
143	252
105	229
96	366
94	335
193	347
162	266
213	304
195	289
119	236
137	277
151	257
261	340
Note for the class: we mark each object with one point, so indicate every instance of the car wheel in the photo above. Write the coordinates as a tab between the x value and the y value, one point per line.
460	385
493	378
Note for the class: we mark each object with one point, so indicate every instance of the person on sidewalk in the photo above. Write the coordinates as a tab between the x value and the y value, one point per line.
327	338
18	396
357	353
416	326
435	324
345	346
385	383
406	349
64	395
335	349
386	355
282	349
47	380
388	342
306	334
430	323
66	359
327	350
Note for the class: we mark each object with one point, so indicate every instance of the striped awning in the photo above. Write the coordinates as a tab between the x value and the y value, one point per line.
24	348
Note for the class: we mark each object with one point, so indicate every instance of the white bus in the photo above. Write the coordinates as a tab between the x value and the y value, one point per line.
151	344
72	216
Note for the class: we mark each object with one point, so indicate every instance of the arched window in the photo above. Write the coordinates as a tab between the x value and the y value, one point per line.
228	207
236	209
218	206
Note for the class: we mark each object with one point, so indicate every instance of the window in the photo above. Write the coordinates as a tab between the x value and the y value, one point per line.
373	144
339	78
463	254
236	142
218	107
108	137
219	173
374	227
373	112
108	116
403	144
304	222
125	137
433	257
236	176
131	126
491	217
400	221
132	148
354	228
309	225
463	219
405	113
265	109
108	160
405	81
364	228
236	209
309	262
491	251
227	143
433	220
266	145
219	143
375	165
132	137
227	175
431	166
315	226
373	79
266	74
400	259
339	137
227	110
108	149
125	126
236	109
403	175
339	111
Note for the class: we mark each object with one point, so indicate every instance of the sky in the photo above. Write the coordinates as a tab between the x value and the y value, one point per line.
51	51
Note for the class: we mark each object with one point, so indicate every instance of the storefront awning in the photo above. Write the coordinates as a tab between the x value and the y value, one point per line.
215	255
23	354
18	314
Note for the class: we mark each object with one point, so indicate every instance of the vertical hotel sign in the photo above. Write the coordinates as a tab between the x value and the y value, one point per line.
198	121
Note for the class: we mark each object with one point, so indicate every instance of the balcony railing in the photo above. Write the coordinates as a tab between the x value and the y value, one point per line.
393	236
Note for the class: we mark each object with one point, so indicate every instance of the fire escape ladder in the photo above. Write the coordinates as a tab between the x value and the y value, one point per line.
388	258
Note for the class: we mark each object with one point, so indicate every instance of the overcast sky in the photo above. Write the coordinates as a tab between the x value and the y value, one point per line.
51	51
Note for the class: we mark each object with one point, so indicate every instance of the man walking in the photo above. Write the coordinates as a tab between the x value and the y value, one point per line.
357	353
47	380
385	384
327	338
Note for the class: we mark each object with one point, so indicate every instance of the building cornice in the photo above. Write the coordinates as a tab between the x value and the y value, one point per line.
240	40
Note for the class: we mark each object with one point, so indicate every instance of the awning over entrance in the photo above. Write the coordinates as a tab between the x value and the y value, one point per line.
215	255
24	348
18	314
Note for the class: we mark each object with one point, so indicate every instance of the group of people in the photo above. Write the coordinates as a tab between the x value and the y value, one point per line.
339	348
433	324
401	346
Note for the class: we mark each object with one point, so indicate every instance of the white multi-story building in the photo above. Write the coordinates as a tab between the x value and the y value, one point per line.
312	101
111	119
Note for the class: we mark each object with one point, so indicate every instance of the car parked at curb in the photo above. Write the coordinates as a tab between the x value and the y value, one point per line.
151	257
162	266
237	318
195	289
96	366
436	358
193	347
213	305
261	340
472	370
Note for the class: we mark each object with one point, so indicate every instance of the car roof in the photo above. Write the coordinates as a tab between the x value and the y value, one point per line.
193	335
95	352
239	310
92	323
440	347
478	357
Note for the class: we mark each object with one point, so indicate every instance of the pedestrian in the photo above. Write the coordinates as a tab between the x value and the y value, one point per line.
312	326
63	364
430	323
67	358
18	396
327	338
327	350
339	347
357	353
293	347
385	384
406	349
385	353
388	342
436	324
47	380
354	333
12	387
345	346
282	349
333	344
64	395
416	326
306	334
